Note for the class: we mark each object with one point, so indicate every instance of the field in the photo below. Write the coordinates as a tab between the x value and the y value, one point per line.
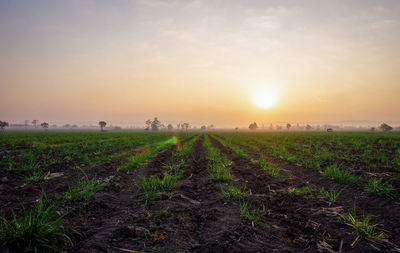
200	192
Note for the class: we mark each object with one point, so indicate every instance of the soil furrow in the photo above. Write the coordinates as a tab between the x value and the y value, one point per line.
385	211
304	222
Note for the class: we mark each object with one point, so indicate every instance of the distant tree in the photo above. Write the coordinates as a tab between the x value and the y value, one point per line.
329	130
372	129
155	124
211	127
3	124
74	126
203	128
102	124
253	126
236	128
45	125
385	127
178	126
148	123
67	126
288	126
26	123
170	127
271	127
279	128
308	127
34	122
186	126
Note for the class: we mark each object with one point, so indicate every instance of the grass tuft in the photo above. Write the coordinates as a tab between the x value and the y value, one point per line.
234	192
83	190
300	191
331	195
254	215
38	228
268	167
153	186
363	228
378	187
337	173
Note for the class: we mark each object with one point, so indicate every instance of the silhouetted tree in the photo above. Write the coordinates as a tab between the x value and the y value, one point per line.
3	124
148	124
102	124
203	128
155	124
288	126
45	125
385	127
178	126
186	126
170	127
372	129
308	127
253	126
34	122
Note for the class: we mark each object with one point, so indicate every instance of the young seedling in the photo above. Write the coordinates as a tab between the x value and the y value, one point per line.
331	195
83	190
38	228
301	191
337	173
363	228
377	186
270	168
176	169
234	192
37	176
254	216
153	186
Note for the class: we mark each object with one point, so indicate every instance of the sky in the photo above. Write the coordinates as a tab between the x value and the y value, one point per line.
201	62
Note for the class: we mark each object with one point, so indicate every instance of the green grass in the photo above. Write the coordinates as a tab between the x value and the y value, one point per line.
378	187
141	158
219	165
83	190
235	193
154	186
268	167
364	227
36	229
185	149
335	172
301	191
37	176
332	196
176	169
254	215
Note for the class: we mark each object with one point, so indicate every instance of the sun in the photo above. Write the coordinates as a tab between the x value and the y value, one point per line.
265	96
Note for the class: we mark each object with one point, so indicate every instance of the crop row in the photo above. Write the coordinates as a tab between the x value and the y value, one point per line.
320	157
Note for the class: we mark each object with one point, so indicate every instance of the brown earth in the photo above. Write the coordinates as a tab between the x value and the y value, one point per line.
196	217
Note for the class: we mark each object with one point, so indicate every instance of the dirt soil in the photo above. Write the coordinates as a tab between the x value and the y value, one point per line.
196	217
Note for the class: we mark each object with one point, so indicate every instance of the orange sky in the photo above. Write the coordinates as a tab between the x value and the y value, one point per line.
199	61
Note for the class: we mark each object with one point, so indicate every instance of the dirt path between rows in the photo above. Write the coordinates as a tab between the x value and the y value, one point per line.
306	223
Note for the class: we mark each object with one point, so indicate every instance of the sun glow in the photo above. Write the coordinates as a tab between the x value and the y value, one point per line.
265	97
